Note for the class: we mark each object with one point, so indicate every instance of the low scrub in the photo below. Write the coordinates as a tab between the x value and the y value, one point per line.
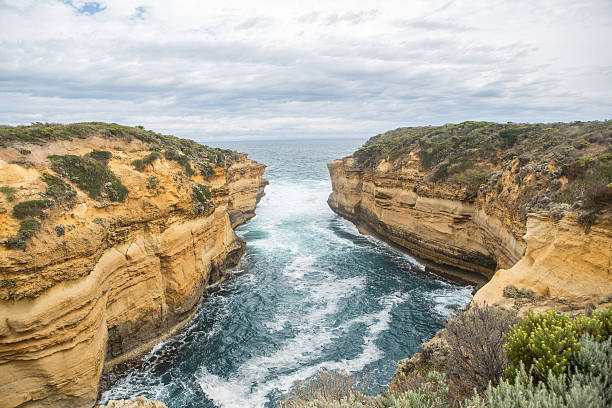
512	291
27	229
476	339
30	208
335	388
141	164
544	342
9	192
90	175
57	189
588	385
102	156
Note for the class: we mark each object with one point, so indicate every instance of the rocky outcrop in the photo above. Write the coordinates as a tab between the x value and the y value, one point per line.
139	402
554	259
434	222
562	264
103	281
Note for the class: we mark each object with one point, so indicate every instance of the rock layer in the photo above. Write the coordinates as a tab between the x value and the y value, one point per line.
122	275
553	258
437	224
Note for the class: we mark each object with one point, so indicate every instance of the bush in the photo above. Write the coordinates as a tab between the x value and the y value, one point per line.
141	164
599	325
206	170
30	208
541	342
27	229
102	156
9	192
329	388
57	188
544	342
89	175
512	291
201	193
182	159
433	393
589	385
476	338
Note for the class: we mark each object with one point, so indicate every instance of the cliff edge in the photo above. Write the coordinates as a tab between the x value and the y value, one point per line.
110	235
524	207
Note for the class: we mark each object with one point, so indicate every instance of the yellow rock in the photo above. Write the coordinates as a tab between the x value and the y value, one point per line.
122	277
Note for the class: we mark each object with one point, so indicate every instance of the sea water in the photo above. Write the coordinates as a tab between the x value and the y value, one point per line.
311	293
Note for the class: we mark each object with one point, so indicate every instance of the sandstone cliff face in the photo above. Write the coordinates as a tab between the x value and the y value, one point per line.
435	222
103	281
562	263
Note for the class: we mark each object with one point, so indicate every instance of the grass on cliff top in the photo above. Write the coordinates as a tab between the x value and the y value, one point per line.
41	133
487	141
468	152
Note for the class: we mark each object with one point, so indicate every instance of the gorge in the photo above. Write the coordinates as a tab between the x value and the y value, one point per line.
138	280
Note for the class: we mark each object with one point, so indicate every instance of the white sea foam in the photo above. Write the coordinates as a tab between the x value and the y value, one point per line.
447	298
254	380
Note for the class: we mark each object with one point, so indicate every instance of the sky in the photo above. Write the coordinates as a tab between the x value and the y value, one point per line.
233	70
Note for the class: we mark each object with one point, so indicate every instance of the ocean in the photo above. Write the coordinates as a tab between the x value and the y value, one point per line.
311	293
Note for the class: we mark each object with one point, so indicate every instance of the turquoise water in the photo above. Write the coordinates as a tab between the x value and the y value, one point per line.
311	293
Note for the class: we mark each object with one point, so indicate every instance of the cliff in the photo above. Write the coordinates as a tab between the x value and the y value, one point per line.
524	206
111	235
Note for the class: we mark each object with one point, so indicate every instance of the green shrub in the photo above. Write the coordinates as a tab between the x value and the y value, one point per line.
441	173
9	192
102	156
141	164
473	179
587	219
588	385
201	193
89	175
57	188
182	159
27	229
206	169
30	208
433	393
512	291
24	151
544	342
152	183
599	325
541	342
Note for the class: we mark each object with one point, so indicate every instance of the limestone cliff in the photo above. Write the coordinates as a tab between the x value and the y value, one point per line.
105	273
537	206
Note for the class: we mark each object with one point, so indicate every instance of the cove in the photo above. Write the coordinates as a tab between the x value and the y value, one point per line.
311	293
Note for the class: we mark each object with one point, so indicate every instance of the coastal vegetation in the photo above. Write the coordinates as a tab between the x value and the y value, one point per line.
555	166
488	358
91	172
43	133
90	175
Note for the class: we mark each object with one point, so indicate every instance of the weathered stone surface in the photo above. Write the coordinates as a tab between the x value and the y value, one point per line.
562	263
439	225
139	402
122	277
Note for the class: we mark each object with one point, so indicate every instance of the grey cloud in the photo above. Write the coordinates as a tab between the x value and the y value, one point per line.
309	17
213	87
352	17
253	22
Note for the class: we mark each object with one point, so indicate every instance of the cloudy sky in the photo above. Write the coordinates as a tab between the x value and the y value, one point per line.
215	70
